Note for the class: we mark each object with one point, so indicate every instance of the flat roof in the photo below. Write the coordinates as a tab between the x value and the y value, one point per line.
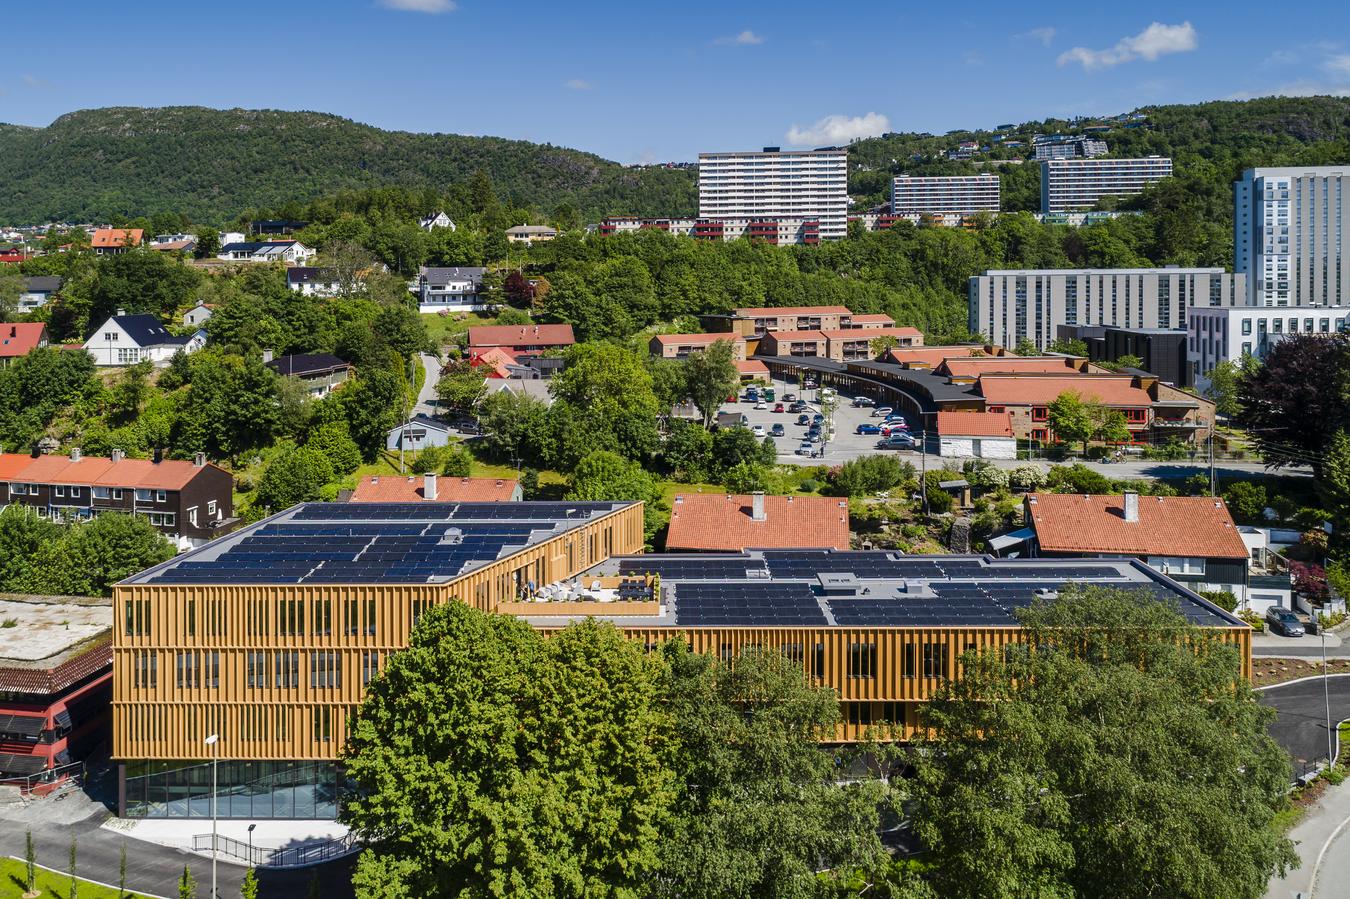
878	588
50	630
374	543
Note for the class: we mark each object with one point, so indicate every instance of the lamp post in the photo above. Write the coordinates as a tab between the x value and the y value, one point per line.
212	741
250	845
1326	691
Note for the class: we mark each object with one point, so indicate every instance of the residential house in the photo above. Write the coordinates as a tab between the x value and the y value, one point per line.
188	501
277	226
521	339
437	219
680	346
18	338
1191	539
320	373
430	488
839	344
417	433
757	321
502	363
289	252
451	289
316	282
112	241
38	291
976	435
198	314
184	244
229	237
724	522
128	339
12	255
530	234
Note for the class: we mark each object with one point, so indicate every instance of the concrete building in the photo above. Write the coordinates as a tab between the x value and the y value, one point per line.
1077	184
775	184
1162	351
965	194
1009	305
1217	335
976	435
1067	146
1289	234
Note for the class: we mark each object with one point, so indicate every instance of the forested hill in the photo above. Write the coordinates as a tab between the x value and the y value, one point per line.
210	164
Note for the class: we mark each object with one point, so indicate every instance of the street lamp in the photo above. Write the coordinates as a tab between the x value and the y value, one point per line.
212	741
250	845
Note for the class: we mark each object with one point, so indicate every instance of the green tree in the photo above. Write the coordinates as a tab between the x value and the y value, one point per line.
1077	478
1223	388
745	477
248	889
130	391
882	345
1070	418
602	400
334	441
1070	347
187	886
208	243
513	425
687	451
608	476
1334	487
458	461
88	557
372	406
1058	771
461	385
482	721
1295	403
734	446
22	534
710	377
1026	347
29	862
758	811
295	475
11	288
1108	425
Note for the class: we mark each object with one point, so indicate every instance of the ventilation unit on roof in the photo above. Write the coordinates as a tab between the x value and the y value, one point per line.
451	537
1046	593
838	584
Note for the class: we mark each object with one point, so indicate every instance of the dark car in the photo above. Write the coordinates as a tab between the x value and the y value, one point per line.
866	428
789	397
798	406
1282	621
817	418
803	419
777	430
896	441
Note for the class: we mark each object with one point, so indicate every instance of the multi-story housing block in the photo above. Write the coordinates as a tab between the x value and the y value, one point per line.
1226	335
806	185
1069	185
965	194
1289	231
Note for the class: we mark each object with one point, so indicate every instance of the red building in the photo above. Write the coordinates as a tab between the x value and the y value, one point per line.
55	688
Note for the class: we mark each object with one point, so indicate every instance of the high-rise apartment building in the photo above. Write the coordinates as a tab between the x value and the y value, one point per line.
1009	305
1288	235
774	184
957	193
1073	184
1063	146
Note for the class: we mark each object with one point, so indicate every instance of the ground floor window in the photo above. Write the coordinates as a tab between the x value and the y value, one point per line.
245	789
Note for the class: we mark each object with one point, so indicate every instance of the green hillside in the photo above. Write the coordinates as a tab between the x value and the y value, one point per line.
211	164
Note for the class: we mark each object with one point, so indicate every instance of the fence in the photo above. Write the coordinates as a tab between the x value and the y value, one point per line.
62	775
291	857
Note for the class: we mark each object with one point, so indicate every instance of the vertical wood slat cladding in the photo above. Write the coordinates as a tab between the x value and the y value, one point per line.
166	715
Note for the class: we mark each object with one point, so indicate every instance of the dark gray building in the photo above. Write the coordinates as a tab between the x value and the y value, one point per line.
1163	350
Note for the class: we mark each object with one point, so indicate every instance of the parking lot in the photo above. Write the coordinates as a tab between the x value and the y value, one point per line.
842	444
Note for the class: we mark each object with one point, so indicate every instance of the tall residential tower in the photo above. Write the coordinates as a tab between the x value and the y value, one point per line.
772	185
1288	235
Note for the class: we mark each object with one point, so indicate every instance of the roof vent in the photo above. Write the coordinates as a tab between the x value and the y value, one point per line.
838	583
118	455
75	454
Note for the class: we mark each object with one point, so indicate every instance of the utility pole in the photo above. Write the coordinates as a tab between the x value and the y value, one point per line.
1212	491
923	477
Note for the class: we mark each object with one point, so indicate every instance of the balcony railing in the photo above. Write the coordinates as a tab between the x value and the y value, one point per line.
262	857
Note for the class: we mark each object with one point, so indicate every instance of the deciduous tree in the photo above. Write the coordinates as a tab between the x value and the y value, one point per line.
710	377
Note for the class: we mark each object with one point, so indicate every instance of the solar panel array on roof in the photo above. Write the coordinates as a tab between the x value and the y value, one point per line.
782	604
711	568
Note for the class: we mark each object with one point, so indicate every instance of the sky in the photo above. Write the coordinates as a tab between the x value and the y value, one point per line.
650	82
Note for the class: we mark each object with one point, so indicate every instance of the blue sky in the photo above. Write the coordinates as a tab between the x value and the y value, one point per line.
641	81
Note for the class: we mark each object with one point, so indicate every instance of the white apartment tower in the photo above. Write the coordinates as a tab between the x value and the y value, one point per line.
1010	305
1289	233
774	184
1068	185
957	193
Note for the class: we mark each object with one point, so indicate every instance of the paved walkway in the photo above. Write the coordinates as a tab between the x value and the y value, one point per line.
426	399
1279	647
1322	839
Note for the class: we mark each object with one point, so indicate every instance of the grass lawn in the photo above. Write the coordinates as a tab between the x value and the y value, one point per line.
446	329
49	884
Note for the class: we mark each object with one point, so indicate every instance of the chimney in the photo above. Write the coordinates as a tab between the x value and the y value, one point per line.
757	505
1131	506
267	356
117	455
428	487
158	456
75	454
199	460
121	312
36	452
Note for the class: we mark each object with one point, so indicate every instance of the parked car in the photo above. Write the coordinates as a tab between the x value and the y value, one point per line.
882	411
777	430
805	448
817	418
803	419
897	440
813	434
752	395
893	417
758	431
761	406
867	428
798	406
778	407
889	426
789	397
860	402
1281	620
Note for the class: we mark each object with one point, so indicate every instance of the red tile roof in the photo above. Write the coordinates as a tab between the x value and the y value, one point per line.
873	317
116	237
930	355
721	522
394	489
751	367
772	311
974	424
17	338
974	366
496	358
1167	526
98	471
870	333
1041	390
521	335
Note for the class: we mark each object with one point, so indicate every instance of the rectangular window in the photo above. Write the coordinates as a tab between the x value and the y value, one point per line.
1246	326
323	724
210	510
1040	413
286	669
370	666
291	617
188	670
323	616
256	611
911	661
934	660
59	490
147	670
138	617
860	713
144	496
259	666
818	662
862	660
190	617
419	608
325	670
161	496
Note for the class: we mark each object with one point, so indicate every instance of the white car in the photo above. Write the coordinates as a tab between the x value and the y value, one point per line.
758	431
761	406
882	411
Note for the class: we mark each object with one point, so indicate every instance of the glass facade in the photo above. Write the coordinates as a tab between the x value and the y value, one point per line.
245	789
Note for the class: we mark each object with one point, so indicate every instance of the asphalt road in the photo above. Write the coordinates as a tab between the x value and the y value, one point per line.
426	399
1301	723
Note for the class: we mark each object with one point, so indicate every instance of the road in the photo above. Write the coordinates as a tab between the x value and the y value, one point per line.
426	398
1301	723
1274	646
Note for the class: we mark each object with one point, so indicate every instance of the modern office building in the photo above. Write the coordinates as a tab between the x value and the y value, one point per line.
1162	351
268	637
1289	230
1068	185
966	194
1217	335
1012	304
775	184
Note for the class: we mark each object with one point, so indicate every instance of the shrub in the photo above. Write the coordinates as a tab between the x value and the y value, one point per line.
810	485
745	477
335	441
429	460
939	501
1257	623
1224	599
1170	451
985	475
1025	477
458	462
1247	501
870	474
1077	478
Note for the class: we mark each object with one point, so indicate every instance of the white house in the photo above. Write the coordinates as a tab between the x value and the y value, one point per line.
37	290
197	315
976	435
317	282
290	252
437	219
454	289
128	339
417	433
229	237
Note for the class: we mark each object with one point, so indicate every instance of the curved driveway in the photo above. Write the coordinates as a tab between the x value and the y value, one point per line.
1301	723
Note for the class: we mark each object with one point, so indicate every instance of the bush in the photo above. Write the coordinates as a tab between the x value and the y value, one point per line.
1224	599
335	441
939	501
458	462
985	475
1077	478
1170	451
1257	623
870	474
1025	477
429	460
1247	501
293	476
745	477
810	485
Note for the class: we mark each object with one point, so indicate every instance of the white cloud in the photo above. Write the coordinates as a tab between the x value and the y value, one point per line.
746	38
838	129
577	84
1338	65
1154	41
429	6
1045	34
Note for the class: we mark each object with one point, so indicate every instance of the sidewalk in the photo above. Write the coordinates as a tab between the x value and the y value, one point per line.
177	833
1326	824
